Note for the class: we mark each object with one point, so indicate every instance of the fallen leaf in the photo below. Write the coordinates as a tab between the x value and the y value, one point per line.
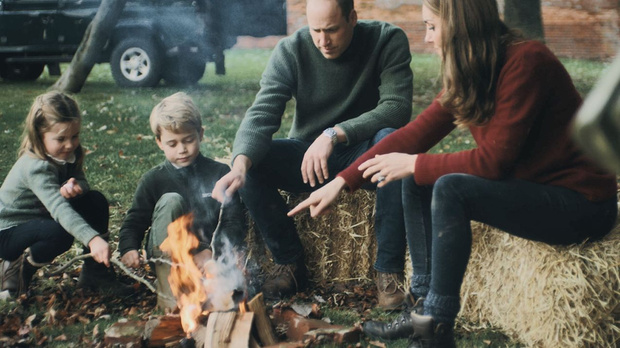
62	337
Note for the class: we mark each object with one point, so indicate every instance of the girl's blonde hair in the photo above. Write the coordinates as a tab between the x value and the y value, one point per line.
47	110
473	46
176	113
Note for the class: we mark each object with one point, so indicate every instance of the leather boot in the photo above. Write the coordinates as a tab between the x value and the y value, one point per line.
390	294
97	277
401	327
429	334
165	298
15	276
285	280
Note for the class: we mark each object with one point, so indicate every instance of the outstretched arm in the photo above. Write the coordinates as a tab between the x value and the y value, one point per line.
320	200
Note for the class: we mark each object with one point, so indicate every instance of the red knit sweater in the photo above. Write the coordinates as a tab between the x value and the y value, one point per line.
527	138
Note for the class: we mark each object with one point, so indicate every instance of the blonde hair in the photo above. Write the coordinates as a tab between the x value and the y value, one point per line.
176	113
473	46
47	110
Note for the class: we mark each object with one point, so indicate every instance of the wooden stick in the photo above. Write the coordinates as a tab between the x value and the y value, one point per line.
263	324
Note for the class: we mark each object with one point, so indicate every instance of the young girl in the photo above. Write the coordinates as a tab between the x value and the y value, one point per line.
525	176
45	201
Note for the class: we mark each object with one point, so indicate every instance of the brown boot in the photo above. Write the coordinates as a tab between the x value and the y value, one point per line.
285	280
15	276
165	298
390	293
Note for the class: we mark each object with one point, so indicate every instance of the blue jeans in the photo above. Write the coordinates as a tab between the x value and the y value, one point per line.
46	238
437	221
281	169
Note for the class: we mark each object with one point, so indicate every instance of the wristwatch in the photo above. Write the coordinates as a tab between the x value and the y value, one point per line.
331	133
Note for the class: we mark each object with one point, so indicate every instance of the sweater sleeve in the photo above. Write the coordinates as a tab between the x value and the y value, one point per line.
138	218
43	181
264	117
522	91
418	136
394	107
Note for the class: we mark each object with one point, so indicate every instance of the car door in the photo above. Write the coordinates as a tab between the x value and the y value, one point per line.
25	24
72	19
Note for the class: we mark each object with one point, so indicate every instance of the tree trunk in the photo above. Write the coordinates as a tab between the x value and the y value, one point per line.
95	37
525	15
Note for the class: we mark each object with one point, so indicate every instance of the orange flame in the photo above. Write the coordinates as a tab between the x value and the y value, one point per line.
185	276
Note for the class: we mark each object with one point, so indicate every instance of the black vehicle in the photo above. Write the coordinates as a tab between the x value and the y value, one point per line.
153	39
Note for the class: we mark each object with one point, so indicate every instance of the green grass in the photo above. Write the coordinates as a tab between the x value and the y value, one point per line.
121	147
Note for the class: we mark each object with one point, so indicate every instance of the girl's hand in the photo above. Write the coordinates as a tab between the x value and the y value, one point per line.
100	250
71	189
390	167
320	200
131	259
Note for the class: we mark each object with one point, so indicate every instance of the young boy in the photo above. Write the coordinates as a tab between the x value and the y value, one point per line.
180	185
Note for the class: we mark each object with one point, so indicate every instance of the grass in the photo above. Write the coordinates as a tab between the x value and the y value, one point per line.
121	148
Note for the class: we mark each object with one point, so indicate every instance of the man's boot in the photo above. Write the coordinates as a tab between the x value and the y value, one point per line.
285	280
97	277
15	276
165	298
390	293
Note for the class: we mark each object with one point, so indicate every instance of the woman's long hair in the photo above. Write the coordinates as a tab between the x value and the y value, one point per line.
473	46
47	110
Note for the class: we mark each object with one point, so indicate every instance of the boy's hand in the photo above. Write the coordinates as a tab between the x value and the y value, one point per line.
100	250
71	189
131	259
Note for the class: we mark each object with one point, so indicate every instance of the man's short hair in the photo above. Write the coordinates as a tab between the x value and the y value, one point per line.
346	6
176	113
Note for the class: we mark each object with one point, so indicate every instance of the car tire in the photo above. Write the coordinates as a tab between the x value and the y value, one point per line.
136	62
21	71
184	71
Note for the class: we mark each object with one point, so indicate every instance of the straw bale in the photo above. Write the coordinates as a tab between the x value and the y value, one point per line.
545	296
339	246
541	295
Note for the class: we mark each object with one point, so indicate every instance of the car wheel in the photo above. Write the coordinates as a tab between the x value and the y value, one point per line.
184	71
136	62
21	71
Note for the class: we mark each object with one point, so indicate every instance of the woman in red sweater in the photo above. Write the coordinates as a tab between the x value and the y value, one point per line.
525	176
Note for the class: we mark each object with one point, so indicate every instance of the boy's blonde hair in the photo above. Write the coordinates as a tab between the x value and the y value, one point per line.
176	113
47	110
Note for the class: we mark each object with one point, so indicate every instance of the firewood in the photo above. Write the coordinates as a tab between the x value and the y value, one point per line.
228	329
264	329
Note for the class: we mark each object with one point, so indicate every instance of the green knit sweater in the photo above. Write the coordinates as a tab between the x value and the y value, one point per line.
31	191
368	88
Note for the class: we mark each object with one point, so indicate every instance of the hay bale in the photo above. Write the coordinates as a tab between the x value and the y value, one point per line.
545	296
339	246
541	295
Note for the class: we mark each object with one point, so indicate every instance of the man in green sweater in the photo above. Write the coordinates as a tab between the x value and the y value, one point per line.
352	85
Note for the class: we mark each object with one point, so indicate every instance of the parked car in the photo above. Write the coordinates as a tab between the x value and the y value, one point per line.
153	39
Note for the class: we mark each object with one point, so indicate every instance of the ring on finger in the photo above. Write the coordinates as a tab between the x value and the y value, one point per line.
381	178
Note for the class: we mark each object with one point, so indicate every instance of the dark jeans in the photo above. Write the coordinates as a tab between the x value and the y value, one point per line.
46	238
281	169
437	221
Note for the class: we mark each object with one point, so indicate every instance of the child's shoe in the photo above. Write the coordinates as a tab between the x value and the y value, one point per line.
15	276
97	277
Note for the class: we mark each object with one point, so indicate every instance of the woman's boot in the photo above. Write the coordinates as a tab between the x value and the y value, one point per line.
401	327
429	334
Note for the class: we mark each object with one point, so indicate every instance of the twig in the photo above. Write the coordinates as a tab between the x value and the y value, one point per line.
66	265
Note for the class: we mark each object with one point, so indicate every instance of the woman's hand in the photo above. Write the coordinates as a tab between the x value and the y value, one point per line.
320	200
71	189
389	167
131	259
100	250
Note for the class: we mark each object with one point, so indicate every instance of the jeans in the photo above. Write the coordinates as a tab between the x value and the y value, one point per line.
281	169
46	238
437	221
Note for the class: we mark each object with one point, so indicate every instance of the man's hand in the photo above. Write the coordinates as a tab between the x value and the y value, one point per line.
71	189
389	167
320	200
131	259
314	165
100	249
230	183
